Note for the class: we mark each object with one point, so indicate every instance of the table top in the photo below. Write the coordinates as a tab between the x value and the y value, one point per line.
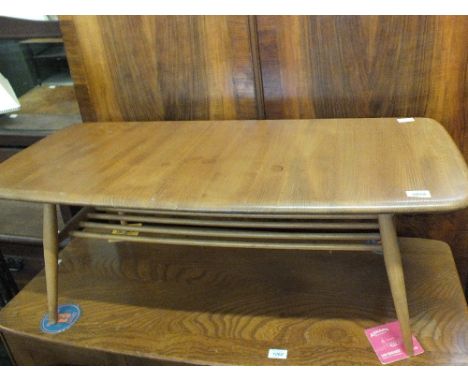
179	304
380	165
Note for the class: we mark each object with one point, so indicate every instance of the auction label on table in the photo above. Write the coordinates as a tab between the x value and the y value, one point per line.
277	353
67	317
418	194
405	120
387	342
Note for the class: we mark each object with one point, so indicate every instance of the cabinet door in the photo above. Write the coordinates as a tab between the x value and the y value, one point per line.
136	68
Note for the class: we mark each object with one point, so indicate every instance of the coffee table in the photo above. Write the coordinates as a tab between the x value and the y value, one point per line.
323	185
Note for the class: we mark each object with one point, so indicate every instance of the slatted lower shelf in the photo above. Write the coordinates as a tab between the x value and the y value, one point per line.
271	231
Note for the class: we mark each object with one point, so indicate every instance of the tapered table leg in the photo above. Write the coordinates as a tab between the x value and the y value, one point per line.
50	238
396	278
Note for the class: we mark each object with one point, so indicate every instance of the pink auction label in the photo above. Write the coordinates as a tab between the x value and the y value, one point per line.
387	342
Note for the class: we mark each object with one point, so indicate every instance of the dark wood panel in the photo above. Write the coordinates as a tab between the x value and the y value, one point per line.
366	66
371	66
134	68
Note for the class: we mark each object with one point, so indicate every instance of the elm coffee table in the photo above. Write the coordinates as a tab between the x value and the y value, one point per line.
323	185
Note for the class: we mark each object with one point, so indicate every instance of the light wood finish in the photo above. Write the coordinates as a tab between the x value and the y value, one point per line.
150	304
226	222
361	166
169	67
265	217
292	166
51	258
227	231
216	232
231	243
394	267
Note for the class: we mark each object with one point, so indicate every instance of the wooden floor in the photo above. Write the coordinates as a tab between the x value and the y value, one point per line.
147	304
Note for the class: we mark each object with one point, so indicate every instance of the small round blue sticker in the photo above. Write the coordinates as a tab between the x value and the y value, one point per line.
67	316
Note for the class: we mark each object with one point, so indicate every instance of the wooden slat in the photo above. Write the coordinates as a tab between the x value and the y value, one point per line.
229	223
235	233
239	215
231	244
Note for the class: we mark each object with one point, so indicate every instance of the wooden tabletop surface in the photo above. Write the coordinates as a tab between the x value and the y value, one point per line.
304	166
185	304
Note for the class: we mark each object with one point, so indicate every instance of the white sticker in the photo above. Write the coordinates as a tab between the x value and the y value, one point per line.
278	353
418	194
405	120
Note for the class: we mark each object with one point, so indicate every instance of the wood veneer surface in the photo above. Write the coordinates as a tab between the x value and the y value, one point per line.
140	68
148	304
339	166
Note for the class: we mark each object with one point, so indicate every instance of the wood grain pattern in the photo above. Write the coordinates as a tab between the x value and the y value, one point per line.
252	216
372	66
295	166
51	250
151	304
365	66
133	68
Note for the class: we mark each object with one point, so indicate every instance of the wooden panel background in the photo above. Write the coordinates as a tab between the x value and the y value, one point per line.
162	68
247	67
